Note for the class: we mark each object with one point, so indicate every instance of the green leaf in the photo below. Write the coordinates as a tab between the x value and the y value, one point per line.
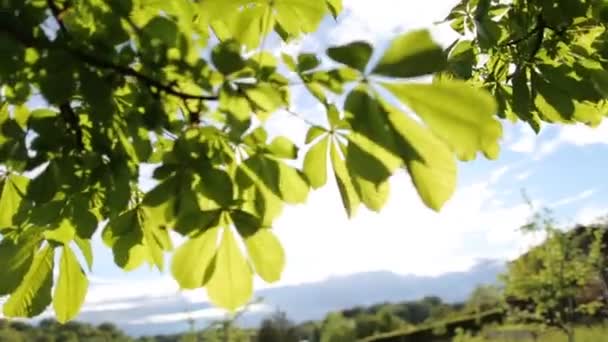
299	16
314	132
231	284
289	61
315	163
307	62
350	199
292	185
373	196
234	103
13	190
372	152
216	185
368	160
430	163
600	80
34	293
275	177
410	55
282	147
192	261
266	254
227	57
124	235
335	6
71	289
43	188
266	97
356	54
15	261
462	59
192	223
247	24
460	115
522	101
86	249
63	234
57	82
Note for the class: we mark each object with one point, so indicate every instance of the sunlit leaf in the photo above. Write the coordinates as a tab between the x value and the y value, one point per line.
355	55
411	54
231	284
458	114
71	288
15	261
350	199
430	163
266	254
13	190
315	163
34	293
192	262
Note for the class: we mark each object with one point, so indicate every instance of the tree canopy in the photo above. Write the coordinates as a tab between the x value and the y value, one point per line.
92	91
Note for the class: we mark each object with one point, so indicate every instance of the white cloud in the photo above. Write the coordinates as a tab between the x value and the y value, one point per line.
590	214
573	199
405	237
205	314
525	144
581	135
523	175
105	291
577	135
386	17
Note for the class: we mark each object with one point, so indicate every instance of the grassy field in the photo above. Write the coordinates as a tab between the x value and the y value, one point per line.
526	334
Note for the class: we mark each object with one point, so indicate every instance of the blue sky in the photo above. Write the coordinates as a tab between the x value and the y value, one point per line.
563	168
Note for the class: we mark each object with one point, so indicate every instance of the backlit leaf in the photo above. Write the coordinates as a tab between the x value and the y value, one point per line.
355	54
350	199
315	163
266	254
13	190
71	289
231	284
15	261
411	54
458	114
34	293
192	261
430	163
282	147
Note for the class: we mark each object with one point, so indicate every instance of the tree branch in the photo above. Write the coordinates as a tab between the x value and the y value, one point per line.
529	35
73	122
97	62
65	108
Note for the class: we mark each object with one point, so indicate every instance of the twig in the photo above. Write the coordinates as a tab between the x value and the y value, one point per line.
73	122
524	38
100	63
65	108
294	114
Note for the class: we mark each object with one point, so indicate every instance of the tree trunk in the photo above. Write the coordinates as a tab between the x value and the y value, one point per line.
604	281
570	333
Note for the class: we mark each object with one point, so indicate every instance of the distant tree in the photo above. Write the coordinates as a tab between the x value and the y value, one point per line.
552	276
336	328
10	335
277	328
309	331
485	297
388	321
366	325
